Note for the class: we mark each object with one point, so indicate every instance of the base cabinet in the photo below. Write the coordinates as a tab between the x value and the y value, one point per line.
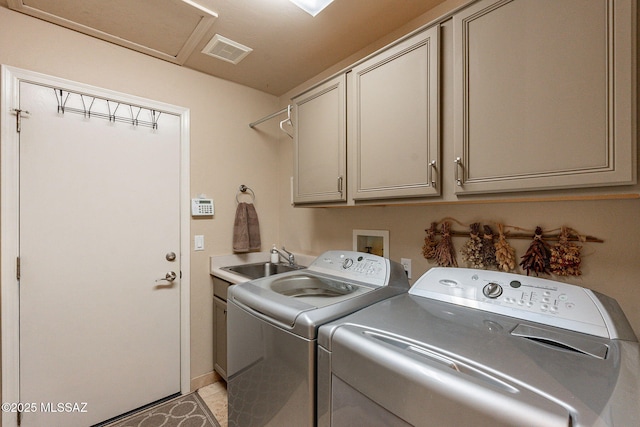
220	326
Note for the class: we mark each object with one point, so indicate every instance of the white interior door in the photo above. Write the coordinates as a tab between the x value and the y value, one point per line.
99	210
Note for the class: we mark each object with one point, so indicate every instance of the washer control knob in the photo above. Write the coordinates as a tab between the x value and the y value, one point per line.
492	290
348	262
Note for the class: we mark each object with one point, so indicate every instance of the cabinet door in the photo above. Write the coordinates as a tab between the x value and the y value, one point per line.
543	95
393	120
220	350
320	144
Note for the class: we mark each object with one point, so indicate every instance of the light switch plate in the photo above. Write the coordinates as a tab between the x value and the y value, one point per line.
198	243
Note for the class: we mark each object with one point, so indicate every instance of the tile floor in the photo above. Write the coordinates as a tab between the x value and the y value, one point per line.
215	396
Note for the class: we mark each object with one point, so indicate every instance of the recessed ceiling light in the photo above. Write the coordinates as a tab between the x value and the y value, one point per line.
312	7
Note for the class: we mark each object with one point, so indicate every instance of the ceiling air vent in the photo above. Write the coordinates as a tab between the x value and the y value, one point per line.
225	49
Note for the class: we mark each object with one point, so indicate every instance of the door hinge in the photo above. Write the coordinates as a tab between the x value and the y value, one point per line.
19	114
18	268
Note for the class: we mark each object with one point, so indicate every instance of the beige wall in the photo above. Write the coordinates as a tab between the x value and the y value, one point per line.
611	267
225	152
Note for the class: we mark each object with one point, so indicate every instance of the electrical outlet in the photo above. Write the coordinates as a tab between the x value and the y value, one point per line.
406	263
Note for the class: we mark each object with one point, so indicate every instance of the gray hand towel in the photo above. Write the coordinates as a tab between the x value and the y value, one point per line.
246	229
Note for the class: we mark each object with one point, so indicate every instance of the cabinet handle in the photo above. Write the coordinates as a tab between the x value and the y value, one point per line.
340	184
458	162
432	173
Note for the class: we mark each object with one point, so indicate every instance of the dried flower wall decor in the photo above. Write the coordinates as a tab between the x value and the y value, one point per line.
505	253
445	253
472	250
536	258
565	256
430	242
488	249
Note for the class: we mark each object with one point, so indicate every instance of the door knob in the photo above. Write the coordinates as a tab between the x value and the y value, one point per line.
170	256
169	277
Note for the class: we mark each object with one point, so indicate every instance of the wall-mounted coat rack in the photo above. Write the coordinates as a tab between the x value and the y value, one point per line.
115	111
288	121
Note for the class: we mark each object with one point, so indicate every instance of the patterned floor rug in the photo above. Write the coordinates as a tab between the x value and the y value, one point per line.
184	411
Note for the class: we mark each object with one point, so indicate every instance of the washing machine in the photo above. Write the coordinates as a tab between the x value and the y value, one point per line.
469	347
272	326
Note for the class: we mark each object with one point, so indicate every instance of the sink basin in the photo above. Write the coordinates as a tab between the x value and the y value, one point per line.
261	269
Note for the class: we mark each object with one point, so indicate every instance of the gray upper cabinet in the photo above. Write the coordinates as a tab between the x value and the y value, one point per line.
393	114
543	95
320	143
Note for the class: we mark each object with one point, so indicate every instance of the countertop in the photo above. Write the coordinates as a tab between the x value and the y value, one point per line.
217	262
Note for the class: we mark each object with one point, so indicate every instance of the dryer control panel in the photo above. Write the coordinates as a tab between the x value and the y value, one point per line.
528	298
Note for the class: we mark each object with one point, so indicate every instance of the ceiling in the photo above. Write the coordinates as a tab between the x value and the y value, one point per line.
289	45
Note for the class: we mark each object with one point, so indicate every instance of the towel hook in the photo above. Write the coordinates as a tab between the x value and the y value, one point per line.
243	189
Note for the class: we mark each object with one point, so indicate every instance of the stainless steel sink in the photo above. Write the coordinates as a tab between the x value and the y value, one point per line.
303	285
261	269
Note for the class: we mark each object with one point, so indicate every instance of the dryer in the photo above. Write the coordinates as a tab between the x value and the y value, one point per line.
272	328
473	347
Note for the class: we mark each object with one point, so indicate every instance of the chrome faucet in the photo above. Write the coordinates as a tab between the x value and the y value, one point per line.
289	257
